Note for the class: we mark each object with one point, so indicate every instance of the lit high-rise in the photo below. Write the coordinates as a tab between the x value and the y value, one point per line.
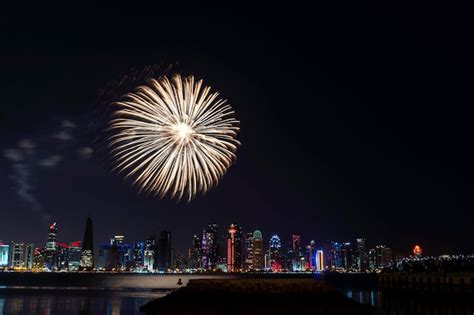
74	256
87	251
234	248
51	249
361	255
4	250
248	251
275	253
21	256
258	262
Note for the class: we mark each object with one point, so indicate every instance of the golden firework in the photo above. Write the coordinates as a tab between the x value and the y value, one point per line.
173	136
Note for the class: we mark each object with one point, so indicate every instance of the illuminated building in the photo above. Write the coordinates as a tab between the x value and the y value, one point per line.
248	251
275	253
258	262
346	256
372	259
361	255
333	255
319	260
74	256
109	257
4	250
62	254
417	251
138	255
204	263
38	260
310	263
51	249
209	247
165	257
234	248
179	263
383	256
295	254
149	254
87	251
125	256
21	256
117	240
195	252
266	258
116	255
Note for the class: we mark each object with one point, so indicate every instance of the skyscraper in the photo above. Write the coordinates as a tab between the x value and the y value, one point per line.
346	256
195	252
21	256
164	251
258	262
311	256
38	259
62	253
295	254
51	249
332	252
209	247
87	253
248	251
149	255
124	252
361	255
319	260
4	250
275	253
74	256
383	256
139	255
234	248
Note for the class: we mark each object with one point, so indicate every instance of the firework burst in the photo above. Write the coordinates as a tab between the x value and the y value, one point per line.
173	136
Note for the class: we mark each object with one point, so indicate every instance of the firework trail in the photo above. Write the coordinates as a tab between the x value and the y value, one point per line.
173	136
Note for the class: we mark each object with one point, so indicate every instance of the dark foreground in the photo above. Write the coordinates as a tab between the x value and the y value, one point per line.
255	296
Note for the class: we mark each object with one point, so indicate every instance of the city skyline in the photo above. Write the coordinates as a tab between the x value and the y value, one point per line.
231	249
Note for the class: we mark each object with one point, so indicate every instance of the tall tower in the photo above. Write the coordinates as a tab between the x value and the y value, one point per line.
149	255
274	252
258	262
234	248
164	251
210	247
361	255
51	249
248	251
319	260
87	253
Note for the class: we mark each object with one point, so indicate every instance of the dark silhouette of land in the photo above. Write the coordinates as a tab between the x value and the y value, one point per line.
255	296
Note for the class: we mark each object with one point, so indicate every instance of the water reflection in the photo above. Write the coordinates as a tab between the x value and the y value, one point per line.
387	303
74	302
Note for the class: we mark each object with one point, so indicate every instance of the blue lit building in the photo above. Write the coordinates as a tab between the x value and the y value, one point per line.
275	253
4	250
139	255
115	255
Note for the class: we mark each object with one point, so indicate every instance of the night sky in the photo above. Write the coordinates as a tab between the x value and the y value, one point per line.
355	122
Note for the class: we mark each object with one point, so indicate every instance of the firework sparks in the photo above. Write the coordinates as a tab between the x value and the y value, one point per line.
173	136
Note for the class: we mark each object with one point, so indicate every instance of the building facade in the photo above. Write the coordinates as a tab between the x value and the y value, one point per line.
258	262
87	250
234	248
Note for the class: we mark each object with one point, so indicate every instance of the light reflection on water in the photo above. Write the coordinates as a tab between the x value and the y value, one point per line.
58	301
86	294
386	304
